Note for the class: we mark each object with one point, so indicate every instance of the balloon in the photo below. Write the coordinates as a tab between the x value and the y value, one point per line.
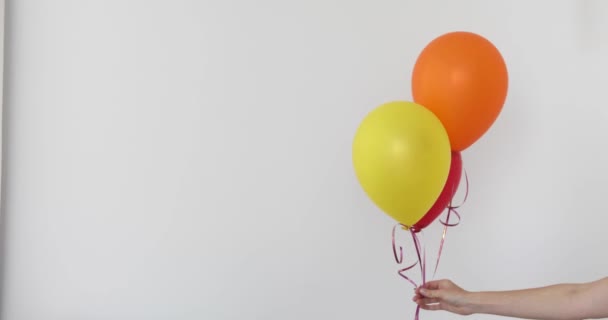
401	156
449	189
463	79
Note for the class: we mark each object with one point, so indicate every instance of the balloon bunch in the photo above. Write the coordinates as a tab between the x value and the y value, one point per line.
407	154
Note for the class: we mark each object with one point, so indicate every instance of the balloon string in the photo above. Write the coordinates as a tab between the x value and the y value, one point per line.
399	259
466	193
420	250
446	224
422	261
420	253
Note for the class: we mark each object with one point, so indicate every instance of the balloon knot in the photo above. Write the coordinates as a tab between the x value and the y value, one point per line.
410	228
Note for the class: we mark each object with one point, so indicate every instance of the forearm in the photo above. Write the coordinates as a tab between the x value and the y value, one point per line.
557	302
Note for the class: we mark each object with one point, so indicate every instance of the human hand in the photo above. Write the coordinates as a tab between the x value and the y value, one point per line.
444	295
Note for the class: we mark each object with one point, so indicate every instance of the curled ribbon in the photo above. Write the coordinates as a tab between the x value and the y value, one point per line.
420	253
446	224
420	250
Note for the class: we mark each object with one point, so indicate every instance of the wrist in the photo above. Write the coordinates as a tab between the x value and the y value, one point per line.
474	302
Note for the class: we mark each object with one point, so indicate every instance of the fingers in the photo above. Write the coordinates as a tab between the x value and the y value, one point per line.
434	289
420	300
426	301
433	285
433	294
430	307
438	284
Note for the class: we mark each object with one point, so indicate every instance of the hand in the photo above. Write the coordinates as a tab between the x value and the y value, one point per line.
443	295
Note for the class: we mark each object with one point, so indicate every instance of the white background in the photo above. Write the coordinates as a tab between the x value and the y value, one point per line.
191	159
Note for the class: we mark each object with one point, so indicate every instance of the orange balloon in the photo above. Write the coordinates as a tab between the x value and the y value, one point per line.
463	79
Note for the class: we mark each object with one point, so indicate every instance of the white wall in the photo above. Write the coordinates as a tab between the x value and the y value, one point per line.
191	159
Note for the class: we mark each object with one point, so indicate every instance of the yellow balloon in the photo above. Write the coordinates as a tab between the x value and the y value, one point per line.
401	156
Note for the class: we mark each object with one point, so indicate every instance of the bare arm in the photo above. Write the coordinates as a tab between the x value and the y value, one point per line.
556	302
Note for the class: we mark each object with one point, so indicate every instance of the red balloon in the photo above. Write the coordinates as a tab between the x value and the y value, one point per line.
449	189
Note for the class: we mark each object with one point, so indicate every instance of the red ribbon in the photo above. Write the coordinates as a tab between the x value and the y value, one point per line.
446	224
420	251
